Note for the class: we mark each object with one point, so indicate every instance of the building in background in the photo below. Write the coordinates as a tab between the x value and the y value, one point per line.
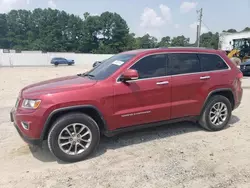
226	39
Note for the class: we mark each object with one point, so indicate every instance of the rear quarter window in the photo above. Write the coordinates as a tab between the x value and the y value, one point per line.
211	62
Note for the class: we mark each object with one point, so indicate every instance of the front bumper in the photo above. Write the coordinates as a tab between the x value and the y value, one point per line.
238	97
31	141
245	72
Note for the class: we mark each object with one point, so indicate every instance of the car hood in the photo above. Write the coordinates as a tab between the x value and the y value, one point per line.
58	84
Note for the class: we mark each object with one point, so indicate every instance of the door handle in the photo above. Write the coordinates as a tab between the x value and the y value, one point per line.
205	77
162	83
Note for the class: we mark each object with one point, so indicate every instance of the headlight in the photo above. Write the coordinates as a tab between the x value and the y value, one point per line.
31	104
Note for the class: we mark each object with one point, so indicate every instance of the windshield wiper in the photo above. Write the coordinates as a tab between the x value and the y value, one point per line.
90	75
86	74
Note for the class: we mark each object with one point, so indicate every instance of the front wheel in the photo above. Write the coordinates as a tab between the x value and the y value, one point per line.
216	114
73	137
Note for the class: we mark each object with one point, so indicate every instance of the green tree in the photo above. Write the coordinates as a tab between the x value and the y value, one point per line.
165	42
89	41
246	29
230	31
180	41
146	41
114	32
44	29
4	42
130	41
209	40
55	30
86	15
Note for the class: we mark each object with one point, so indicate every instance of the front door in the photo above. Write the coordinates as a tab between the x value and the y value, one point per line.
147	99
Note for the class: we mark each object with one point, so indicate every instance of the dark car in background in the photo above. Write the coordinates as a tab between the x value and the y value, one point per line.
245	67
59	61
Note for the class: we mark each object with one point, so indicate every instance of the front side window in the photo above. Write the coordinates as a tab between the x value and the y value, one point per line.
151	66
183	63
109	66
211	62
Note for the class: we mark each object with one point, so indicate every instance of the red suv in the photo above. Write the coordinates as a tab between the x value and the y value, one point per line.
130	90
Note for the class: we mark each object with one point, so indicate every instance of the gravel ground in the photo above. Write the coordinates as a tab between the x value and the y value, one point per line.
178	155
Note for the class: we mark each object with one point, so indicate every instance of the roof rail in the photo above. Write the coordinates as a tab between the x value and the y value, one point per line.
189	47
184	47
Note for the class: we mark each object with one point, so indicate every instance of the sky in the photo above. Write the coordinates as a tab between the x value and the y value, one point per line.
156	17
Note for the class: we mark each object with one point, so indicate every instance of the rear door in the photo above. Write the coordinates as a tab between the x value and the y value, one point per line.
60	60
215	71
147	99
64	61
188	84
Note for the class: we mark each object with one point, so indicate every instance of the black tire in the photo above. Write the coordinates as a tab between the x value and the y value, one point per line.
56	64
69	64
205	121
60	124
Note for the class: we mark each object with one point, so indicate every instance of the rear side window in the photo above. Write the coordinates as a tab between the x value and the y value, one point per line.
211	62
151	66
58	59
183	63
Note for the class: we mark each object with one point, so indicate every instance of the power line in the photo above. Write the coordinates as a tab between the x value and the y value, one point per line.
206	26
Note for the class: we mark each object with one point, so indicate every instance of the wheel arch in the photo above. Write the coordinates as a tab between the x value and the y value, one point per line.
226	92
89	110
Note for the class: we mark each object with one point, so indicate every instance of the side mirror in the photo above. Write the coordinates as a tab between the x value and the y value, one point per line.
130	74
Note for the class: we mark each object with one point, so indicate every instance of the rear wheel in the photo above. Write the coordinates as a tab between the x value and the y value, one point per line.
73	137
216	114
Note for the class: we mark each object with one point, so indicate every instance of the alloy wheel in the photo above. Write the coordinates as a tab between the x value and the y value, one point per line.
74	139
218	113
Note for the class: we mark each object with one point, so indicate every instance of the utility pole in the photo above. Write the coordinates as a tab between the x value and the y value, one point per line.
199	26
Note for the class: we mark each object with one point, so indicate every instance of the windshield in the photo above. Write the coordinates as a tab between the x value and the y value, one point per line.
240	43
109	66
